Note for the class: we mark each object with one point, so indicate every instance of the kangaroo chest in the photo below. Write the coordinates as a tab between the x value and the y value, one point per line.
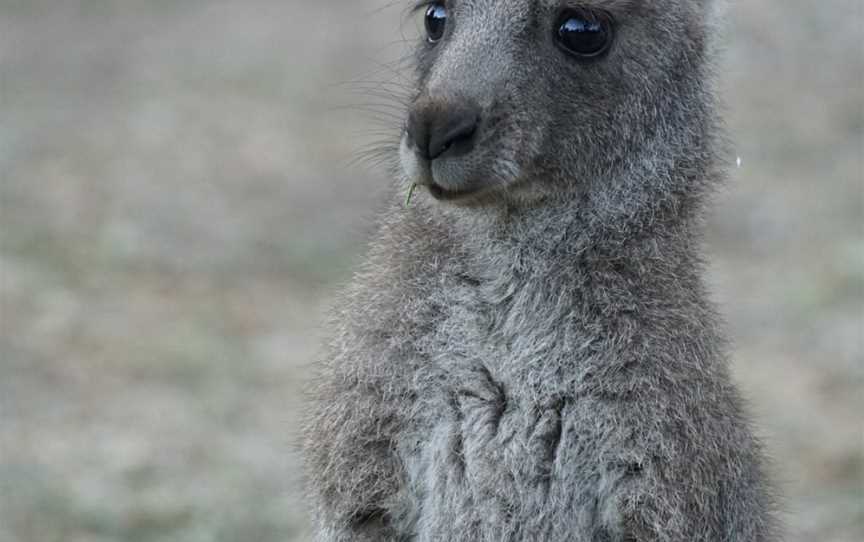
499	428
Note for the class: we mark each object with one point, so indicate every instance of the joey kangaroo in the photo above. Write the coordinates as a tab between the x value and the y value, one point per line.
528	353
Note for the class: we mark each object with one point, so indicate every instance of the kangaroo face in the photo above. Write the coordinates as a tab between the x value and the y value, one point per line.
524	99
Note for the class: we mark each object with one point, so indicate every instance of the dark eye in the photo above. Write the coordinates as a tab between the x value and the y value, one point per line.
436	20
584	34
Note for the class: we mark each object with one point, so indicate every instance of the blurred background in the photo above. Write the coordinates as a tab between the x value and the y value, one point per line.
179	201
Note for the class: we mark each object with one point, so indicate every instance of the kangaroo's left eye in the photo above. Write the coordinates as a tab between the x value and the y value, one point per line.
436	21
583	34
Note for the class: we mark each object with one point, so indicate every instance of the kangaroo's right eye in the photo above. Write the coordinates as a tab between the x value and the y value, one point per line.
436	21
584	34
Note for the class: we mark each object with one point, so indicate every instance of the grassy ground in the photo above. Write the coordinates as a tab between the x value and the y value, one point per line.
177	203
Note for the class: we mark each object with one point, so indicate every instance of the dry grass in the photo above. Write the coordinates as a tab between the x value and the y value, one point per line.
176	205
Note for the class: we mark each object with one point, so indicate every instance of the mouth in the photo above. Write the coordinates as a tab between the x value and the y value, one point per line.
421	172
442	194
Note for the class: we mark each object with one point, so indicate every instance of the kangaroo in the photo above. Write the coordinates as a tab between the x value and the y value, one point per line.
528	353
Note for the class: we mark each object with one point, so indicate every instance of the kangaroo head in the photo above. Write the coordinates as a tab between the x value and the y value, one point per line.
521	100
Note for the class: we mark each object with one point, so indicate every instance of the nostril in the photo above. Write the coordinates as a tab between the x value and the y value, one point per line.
439	128
454	138
418	132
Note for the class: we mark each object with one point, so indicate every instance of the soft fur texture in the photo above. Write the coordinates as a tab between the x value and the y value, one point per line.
539	362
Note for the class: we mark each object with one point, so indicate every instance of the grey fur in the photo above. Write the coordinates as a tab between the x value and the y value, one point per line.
540	362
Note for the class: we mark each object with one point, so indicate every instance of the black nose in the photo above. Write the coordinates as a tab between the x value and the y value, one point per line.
440	128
